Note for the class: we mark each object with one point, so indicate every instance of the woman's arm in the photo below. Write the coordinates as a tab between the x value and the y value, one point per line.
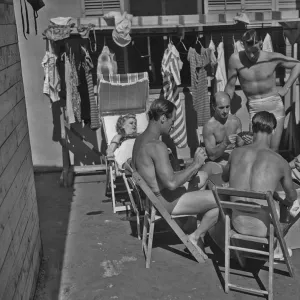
114	144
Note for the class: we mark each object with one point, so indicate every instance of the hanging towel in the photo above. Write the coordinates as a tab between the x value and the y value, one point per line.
221	76
238	46
170	69
68	78
267	44
199	88
122	93
94	111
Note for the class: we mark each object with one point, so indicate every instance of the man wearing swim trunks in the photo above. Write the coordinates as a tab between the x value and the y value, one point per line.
255	70
256	167
150	158
220	134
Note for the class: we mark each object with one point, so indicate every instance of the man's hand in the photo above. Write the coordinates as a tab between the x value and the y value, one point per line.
239	141
282	91
297	162
199	157
231	139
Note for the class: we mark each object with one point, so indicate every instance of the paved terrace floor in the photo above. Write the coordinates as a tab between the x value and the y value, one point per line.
91	254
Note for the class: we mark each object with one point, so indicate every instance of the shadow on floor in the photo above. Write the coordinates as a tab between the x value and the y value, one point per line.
54	206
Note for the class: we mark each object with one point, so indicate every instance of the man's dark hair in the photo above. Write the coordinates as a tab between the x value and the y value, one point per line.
161	107
264	121
250	37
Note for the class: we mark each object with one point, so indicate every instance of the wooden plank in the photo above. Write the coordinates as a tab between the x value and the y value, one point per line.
10	76
9	55
7	14
30	268
12	267
10	146
8	35
9	229
241	206
22	129
241	193
12	169
10	98
11	120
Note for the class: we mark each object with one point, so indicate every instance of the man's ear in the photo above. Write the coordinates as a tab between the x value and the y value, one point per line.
163	119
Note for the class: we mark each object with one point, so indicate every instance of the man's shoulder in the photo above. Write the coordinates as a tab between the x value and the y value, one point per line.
210	124
234	118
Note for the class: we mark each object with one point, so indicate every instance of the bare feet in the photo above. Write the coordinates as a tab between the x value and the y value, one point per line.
199	245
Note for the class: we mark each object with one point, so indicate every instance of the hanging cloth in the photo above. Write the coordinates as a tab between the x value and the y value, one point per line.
94	111
52	81
107	64
170	69
221	76
267	44
199	88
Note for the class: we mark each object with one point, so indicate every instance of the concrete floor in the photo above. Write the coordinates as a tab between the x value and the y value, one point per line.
91	254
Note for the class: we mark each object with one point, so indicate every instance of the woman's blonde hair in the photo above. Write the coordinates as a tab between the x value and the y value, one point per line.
121	121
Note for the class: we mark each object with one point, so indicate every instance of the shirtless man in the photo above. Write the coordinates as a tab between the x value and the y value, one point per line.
150	158
255	70
220	133
258	168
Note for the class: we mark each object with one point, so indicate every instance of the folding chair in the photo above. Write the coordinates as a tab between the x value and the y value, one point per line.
113	173
234	240
153	207
121	94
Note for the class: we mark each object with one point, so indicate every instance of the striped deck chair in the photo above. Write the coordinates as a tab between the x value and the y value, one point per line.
120	94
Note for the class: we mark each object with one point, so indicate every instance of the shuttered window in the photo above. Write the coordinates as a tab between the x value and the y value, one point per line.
258	5
99	7
221	5
288	4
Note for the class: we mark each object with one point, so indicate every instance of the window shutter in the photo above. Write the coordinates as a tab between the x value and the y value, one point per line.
288	5
100	7
255	5
221	5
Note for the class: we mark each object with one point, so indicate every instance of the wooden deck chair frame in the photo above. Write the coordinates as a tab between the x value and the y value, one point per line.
232	237
154	206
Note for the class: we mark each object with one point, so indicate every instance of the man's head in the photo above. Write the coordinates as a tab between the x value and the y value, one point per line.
264	122
252	44
221	105
163	112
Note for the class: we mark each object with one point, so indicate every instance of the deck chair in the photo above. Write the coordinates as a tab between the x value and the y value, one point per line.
154	211
234	241
121	94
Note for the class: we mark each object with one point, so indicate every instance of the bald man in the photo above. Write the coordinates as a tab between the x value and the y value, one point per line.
220	134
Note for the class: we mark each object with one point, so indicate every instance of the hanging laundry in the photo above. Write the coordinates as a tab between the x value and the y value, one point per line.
122	28
84	32
51	75
199	88
171	66
73	100
68	78
62	21
107	64
221	76
267	44
94	111
237	46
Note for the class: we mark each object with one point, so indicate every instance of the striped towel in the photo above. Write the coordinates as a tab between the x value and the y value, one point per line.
122	93
171	66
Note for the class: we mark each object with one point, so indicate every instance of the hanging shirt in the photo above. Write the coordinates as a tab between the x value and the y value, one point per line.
221	76
199	88
267	44
170	68
68	78
94	111
51	76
